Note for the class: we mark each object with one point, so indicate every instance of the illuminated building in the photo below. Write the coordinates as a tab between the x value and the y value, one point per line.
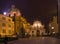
53	25
37	29
27	28
6	26
13	10
19	21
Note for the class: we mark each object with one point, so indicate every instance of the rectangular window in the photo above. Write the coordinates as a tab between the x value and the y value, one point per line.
3	18
9	25
9	31
4	31
9	19
3	24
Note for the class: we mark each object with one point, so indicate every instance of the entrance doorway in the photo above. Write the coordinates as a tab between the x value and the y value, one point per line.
38	33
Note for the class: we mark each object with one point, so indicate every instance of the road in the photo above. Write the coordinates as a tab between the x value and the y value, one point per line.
39	40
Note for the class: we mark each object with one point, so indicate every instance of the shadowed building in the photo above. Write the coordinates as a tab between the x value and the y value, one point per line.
53	25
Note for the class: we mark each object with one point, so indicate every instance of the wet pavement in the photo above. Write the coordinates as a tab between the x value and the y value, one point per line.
39	40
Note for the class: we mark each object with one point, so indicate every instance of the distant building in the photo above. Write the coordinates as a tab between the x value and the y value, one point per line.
37	29
6	26
53	25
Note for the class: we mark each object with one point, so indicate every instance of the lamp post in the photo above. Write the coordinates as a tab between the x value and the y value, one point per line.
53	30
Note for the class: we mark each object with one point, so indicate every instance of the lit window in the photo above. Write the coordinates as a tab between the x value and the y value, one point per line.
32	31
9	31
3	18
4	31
9	19
9	25
3	24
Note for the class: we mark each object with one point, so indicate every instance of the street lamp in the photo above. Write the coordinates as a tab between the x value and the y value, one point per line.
4	13
53	30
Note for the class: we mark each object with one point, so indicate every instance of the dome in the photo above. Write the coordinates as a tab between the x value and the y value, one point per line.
13	11
37	23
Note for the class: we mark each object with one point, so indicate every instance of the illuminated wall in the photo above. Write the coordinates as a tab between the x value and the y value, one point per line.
19	21
53	25
6	26
37	28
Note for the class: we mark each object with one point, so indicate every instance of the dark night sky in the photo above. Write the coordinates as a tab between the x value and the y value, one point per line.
32	9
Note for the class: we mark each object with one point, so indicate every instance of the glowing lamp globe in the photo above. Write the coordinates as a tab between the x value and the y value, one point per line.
4	13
